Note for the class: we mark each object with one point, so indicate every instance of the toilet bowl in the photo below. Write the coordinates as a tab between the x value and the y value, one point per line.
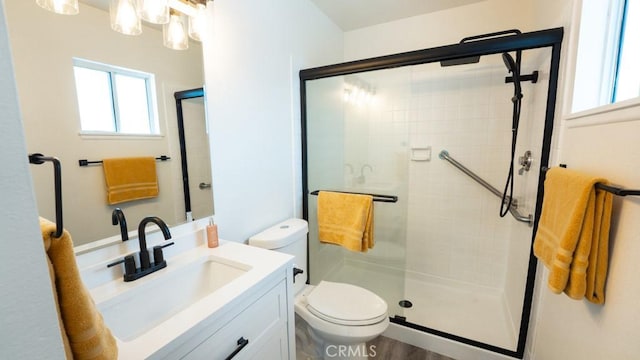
340	317
342	313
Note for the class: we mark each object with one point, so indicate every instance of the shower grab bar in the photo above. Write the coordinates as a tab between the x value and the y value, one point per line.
513	209
376	197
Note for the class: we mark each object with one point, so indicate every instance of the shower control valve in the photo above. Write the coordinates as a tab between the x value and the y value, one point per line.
525	161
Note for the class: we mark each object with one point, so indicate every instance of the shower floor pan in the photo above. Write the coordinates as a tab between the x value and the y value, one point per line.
469	311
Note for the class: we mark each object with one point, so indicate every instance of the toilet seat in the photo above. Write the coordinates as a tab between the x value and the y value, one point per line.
346	304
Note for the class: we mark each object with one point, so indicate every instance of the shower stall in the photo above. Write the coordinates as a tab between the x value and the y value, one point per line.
453	142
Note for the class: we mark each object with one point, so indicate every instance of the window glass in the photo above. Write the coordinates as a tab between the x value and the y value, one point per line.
628	76
94	100
114	100
133	105
608	54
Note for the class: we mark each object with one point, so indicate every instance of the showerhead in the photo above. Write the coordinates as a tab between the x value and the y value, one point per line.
514	69
461	61
510	63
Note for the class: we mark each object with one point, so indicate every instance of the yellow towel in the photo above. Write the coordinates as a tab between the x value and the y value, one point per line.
130	179
346	220
572	239
84	328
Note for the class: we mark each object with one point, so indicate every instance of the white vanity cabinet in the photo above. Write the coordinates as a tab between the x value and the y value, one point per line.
257	325
258	331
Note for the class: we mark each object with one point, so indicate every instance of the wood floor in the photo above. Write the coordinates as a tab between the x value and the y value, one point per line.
391	349
380	348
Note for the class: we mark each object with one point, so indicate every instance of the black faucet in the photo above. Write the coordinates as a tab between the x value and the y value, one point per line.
132	273
145	263
117	217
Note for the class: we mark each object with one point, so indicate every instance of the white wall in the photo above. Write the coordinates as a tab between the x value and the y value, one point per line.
43	45
251	72
604	144
439	28
568	329
29	327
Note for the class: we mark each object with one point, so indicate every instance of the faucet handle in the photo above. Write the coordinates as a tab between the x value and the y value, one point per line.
129	264
158	257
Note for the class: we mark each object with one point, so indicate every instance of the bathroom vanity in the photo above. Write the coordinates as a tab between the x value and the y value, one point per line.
233	301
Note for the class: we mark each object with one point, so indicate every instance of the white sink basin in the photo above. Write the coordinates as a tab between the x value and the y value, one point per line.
152	300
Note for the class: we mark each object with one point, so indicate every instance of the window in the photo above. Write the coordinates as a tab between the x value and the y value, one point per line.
115	100
627	83
608	54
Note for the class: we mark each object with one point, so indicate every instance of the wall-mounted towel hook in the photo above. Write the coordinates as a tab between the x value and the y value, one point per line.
39	159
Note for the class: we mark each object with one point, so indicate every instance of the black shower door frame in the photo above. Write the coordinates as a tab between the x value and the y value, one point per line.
550	38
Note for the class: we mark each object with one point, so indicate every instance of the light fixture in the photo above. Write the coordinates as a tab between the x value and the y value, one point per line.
357	91
174	33
64	7
154	11
198	22
124	17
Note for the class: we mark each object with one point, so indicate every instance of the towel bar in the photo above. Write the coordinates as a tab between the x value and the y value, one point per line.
617	191
85	162
612	189
38	159
376	197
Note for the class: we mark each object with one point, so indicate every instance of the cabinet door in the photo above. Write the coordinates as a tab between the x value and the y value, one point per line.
274	348
249	331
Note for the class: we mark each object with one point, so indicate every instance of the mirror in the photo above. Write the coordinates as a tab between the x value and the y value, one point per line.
43	46
194	154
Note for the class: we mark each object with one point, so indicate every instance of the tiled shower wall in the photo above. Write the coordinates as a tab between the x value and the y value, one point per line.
453	230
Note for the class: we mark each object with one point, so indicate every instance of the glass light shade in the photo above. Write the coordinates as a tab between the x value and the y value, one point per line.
124	17
174	33
198	22
154	11
64	7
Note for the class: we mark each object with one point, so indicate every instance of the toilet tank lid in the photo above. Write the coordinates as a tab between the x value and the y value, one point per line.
280	235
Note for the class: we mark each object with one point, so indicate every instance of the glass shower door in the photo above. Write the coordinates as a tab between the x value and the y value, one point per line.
357	147
447	260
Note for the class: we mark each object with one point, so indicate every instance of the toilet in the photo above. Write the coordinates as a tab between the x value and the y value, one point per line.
340	317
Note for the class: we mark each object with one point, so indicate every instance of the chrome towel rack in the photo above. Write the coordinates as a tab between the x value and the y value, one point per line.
376	197
38	159
85	162
513	209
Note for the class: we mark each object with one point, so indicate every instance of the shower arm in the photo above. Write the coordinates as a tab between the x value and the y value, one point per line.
513	209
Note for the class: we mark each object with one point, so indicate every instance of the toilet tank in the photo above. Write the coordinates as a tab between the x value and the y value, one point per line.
289	237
